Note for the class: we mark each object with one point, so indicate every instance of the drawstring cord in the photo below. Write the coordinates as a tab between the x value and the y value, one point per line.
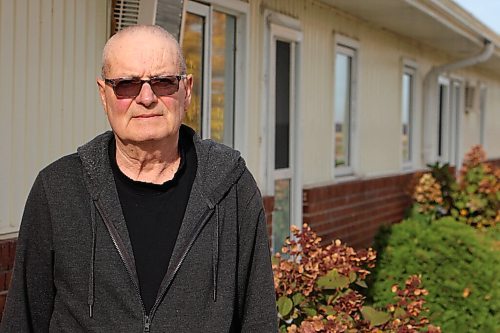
215	253
90	300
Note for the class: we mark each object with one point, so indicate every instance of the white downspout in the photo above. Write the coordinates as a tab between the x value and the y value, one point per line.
431	99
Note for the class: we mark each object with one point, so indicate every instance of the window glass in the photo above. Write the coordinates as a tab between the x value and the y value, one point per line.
406	110
482	114
443	104
282	123
281	213
194	32
223	61
343	70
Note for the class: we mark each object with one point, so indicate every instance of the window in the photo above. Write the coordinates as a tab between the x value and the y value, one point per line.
442	115
282	140
482	114
407	110
449	111
283	178
209	45
344	106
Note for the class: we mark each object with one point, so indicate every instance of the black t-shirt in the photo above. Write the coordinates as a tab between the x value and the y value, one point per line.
154	214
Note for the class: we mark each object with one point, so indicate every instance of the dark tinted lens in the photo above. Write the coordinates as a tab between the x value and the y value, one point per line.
128	88
164	86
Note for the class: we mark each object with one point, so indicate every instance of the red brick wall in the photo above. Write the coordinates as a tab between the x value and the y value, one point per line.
495	162
353	211
7	253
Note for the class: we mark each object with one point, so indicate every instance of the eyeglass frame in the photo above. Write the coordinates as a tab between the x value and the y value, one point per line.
114	82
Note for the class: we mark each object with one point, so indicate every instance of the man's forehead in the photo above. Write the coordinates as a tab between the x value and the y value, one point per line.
135	56
141	39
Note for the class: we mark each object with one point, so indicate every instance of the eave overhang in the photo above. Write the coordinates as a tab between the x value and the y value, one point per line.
441	24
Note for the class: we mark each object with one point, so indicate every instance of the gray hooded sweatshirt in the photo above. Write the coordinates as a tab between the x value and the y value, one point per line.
75	271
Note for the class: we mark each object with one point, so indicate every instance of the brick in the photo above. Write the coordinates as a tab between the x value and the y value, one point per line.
7	253
3	297
8	279
3	279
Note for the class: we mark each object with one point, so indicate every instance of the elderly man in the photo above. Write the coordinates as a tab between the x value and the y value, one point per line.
146	228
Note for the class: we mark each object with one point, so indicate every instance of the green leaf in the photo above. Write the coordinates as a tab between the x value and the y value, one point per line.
352	276
362	284
471	188
328	309
333	280
311	312
375	317
298	298
399	313
285	305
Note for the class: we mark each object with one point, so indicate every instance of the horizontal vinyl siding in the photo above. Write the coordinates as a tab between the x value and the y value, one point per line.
50	54
377	121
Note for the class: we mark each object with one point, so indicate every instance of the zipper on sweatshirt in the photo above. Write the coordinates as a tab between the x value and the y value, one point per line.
147	319
147	323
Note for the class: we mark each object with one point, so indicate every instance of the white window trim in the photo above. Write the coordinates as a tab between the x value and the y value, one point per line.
282	27
411	67
344	42
444	154
233	7
457	121
452	140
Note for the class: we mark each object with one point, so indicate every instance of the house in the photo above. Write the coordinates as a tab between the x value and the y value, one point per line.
335	104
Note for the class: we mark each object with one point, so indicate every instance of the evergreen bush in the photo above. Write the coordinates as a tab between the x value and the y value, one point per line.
459	266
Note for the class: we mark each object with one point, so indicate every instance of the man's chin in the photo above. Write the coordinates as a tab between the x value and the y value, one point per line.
147	138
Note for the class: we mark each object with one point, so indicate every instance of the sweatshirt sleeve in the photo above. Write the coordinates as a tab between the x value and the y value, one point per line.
257	300
31	293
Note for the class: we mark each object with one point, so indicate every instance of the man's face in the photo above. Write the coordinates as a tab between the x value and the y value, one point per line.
146	117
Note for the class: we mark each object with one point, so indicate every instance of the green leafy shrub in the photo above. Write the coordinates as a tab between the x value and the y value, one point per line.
459	266
427	196
443	174
317	291
474	199
477	202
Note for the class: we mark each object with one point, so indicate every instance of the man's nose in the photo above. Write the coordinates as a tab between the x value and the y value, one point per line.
146	96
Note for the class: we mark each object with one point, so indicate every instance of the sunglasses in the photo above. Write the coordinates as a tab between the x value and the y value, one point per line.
131	87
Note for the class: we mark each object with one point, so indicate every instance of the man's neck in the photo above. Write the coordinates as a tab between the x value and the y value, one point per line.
151	162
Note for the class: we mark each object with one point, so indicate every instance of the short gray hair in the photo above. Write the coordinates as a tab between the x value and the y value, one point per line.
152	29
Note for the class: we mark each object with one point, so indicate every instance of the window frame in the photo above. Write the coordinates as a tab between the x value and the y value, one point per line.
240	10
452	120
483	106
283	28
351	47
410	68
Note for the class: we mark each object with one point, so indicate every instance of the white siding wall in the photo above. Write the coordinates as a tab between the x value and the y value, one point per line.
378	119
472	120
49	60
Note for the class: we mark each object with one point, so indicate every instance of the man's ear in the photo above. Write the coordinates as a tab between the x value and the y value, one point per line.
102	92
188	87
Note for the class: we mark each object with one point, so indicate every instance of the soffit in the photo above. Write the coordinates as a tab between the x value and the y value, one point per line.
442	25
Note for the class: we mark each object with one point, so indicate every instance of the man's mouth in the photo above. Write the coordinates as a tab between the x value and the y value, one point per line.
145	116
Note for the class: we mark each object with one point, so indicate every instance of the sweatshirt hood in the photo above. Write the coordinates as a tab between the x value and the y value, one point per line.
219	167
